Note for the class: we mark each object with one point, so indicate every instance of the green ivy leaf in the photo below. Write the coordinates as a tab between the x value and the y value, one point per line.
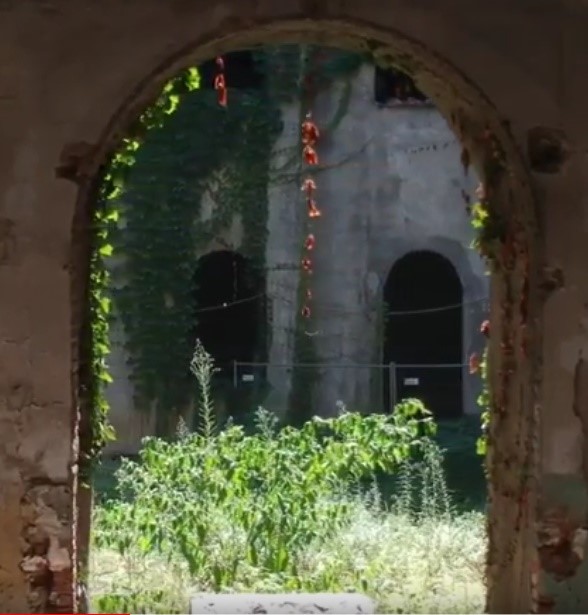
106	249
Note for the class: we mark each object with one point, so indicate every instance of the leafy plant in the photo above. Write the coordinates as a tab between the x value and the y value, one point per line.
484	403
106	218
277	490
399	554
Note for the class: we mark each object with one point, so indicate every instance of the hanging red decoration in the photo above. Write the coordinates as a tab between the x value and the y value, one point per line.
309	136
220	84
474	363
310	155
307	265
313	210
309	187
309	243
310	131
485	328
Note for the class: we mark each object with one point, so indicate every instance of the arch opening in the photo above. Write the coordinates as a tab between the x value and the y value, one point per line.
227	293
423	333
430	73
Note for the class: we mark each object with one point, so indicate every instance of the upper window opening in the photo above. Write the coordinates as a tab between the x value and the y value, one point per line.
393	86
241	72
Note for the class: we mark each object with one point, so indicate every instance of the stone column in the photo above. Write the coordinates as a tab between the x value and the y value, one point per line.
283	252
345	315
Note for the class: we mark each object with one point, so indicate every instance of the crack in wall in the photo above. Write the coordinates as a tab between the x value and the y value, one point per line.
580	407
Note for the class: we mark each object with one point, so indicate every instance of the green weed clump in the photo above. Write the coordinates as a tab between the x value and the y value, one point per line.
282	509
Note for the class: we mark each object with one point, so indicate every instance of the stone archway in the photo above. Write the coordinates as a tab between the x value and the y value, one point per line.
70	98
487	145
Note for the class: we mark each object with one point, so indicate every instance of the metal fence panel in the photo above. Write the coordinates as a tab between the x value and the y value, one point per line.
319	388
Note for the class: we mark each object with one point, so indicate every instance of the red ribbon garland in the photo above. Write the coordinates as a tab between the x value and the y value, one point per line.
220	84
310	137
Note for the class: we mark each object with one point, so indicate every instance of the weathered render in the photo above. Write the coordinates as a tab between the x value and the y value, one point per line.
508	76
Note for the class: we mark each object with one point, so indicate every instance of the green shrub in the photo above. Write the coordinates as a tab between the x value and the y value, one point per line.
222	500
416	556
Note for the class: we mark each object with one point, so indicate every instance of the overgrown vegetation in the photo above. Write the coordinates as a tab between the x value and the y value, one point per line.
283	510
277	509
107	214
183	151
484	403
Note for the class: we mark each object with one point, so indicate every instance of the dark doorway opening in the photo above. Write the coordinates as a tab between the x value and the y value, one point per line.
229	299
423	295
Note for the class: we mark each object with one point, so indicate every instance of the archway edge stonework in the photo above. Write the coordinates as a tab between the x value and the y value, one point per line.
74	74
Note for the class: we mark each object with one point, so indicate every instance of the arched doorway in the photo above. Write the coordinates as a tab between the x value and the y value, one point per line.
228	295
423	333
229	312
156	43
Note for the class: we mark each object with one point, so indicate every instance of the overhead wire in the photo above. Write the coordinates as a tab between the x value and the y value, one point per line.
454	306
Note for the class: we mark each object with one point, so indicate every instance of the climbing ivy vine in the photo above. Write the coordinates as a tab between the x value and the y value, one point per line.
200	152
183	150
493	243
203	151
106	219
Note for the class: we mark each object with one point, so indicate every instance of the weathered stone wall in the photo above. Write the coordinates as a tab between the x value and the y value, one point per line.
73	75
392	184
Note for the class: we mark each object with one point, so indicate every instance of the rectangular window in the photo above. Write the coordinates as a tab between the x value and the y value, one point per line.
392	86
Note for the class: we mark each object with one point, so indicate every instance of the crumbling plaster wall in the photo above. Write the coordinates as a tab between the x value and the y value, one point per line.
72	74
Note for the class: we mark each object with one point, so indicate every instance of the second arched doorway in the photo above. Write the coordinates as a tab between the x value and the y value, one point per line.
423	333
228	295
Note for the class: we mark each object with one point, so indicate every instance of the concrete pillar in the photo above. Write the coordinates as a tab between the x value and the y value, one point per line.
36	444
283	253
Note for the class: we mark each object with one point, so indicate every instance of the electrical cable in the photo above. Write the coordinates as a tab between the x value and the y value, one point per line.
443	308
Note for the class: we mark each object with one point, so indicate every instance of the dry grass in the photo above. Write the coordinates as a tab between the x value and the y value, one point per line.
432	564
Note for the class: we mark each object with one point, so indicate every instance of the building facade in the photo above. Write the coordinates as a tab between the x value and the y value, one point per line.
399	292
